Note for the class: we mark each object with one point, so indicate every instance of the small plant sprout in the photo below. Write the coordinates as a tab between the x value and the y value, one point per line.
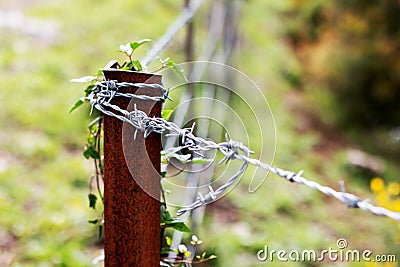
168	63
165	64
128	50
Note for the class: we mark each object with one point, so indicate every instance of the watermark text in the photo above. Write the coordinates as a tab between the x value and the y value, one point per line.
338	254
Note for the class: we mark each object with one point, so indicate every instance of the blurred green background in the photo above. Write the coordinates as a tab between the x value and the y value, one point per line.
329	69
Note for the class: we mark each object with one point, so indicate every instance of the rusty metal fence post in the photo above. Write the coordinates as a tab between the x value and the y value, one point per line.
131	213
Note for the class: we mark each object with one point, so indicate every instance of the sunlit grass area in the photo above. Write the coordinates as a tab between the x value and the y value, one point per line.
44	179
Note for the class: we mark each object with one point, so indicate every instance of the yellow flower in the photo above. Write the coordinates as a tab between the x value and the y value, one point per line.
396	205
377	184
393	188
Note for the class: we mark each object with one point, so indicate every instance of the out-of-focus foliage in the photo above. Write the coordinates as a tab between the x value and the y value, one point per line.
351	48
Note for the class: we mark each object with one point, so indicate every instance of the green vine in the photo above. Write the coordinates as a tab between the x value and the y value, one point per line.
93	150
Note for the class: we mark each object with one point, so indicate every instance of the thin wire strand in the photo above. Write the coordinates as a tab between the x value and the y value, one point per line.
230	149
185	16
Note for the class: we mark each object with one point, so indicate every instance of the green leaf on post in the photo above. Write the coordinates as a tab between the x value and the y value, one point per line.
178	225
137	65
165	215
171	64
135	45
89	89
91	152
95	221
100	72
78	103
165	251
166	113
92	201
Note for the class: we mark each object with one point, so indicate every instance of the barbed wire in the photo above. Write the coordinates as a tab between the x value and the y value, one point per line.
105	91
109	89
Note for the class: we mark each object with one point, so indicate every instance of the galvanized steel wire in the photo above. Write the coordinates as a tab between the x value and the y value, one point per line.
105	91
184	17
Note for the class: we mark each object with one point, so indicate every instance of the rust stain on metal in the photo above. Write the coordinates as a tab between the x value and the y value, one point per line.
132	216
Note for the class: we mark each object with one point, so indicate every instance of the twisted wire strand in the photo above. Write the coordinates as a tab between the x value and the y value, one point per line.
232	150
106	90
184	17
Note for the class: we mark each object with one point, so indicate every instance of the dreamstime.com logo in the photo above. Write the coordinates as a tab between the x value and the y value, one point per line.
339	254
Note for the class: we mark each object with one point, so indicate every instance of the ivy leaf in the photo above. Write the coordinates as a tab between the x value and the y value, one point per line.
165	251
91	152
92	201
89	89
171	64
166	113
91	140
137	65
165	215
178	225
135	45
78	103
84	79
100	72
95	221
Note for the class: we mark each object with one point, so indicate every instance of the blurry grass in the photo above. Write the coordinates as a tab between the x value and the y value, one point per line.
43	205
43	188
